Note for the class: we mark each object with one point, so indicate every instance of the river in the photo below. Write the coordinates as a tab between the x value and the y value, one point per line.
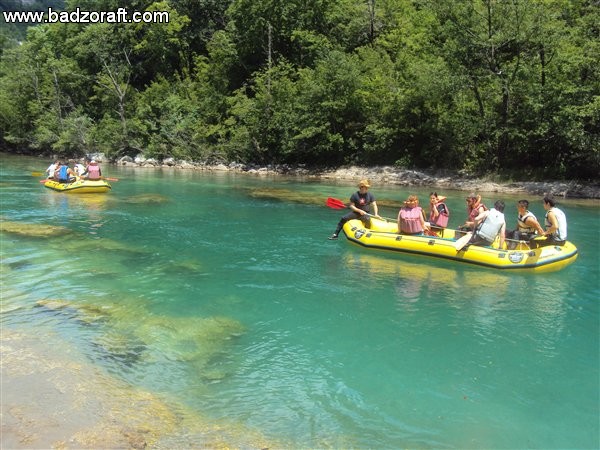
220	295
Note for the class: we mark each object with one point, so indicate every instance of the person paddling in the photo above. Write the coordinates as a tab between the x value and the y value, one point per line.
360	205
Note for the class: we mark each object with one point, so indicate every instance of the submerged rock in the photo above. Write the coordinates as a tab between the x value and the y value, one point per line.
147	199
191	339
83	312
187	265
130	334
288	196
33	229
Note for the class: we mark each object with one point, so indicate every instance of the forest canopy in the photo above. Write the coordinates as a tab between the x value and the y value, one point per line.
477	85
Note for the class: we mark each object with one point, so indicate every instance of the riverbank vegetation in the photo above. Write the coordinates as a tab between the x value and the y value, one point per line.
478	85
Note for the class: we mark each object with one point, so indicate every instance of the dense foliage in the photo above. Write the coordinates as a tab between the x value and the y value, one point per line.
481	85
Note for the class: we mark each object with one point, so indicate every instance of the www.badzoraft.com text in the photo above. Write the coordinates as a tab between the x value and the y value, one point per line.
121	15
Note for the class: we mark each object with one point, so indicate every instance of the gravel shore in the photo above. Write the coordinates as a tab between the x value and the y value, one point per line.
389	175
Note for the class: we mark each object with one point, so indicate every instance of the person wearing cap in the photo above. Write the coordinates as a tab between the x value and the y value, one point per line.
474	209
92	171
360	206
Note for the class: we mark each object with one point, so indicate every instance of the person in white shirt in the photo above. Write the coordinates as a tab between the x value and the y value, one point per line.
78	168
51	169
556	225
490	224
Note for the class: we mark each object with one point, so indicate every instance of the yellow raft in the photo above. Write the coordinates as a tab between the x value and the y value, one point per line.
383	235
79	186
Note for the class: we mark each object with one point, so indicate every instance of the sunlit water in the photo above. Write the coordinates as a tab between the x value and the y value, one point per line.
192	286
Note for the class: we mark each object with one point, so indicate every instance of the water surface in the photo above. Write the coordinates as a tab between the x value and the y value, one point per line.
222	293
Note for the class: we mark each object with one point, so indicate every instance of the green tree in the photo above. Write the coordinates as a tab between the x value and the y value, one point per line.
167	114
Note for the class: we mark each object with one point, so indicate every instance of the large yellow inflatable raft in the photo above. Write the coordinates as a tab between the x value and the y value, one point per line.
383	235
80	186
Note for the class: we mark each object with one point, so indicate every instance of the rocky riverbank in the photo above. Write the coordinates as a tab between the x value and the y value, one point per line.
382	175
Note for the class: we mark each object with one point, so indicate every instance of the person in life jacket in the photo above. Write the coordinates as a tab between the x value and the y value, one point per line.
360	205
474	208
93	172
439	214
556	225
64	174
411	218
528	226
488	225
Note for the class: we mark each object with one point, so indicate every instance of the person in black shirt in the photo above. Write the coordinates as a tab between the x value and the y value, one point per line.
360	206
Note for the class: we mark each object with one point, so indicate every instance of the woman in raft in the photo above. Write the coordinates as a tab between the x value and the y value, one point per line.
411	218
439	214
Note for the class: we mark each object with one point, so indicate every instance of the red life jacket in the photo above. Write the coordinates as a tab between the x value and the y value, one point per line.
474	212
411	220
442	219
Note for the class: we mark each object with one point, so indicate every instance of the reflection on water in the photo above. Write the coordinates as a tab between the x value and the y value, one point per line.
88	210
484	298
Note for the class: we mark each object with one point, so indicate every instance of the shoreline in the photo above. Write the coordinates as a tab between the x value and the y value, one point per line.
380	175
386	175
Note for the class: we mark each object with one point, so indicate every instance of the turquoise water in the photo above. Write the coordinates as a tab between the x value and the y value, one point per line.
209	290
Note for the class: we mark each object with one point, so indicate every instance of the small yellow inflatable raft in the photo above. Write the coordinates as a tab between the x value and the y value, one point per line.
384	236
79	186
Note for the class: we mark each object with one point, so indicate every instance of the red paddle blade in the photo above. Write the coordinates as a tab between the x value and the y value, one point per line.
335	203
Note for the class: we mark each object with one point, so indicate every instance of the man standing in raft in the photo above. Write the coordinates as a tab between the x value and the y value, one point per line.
360	205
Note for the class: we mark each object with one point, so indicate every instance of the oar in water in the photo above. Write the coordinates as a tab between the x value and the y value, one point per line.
37	174
110	179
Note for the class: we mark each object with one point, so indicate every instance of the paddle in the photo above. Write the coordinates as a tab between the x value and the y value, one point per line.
110	179
335	203
463	241
43	181
37	174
